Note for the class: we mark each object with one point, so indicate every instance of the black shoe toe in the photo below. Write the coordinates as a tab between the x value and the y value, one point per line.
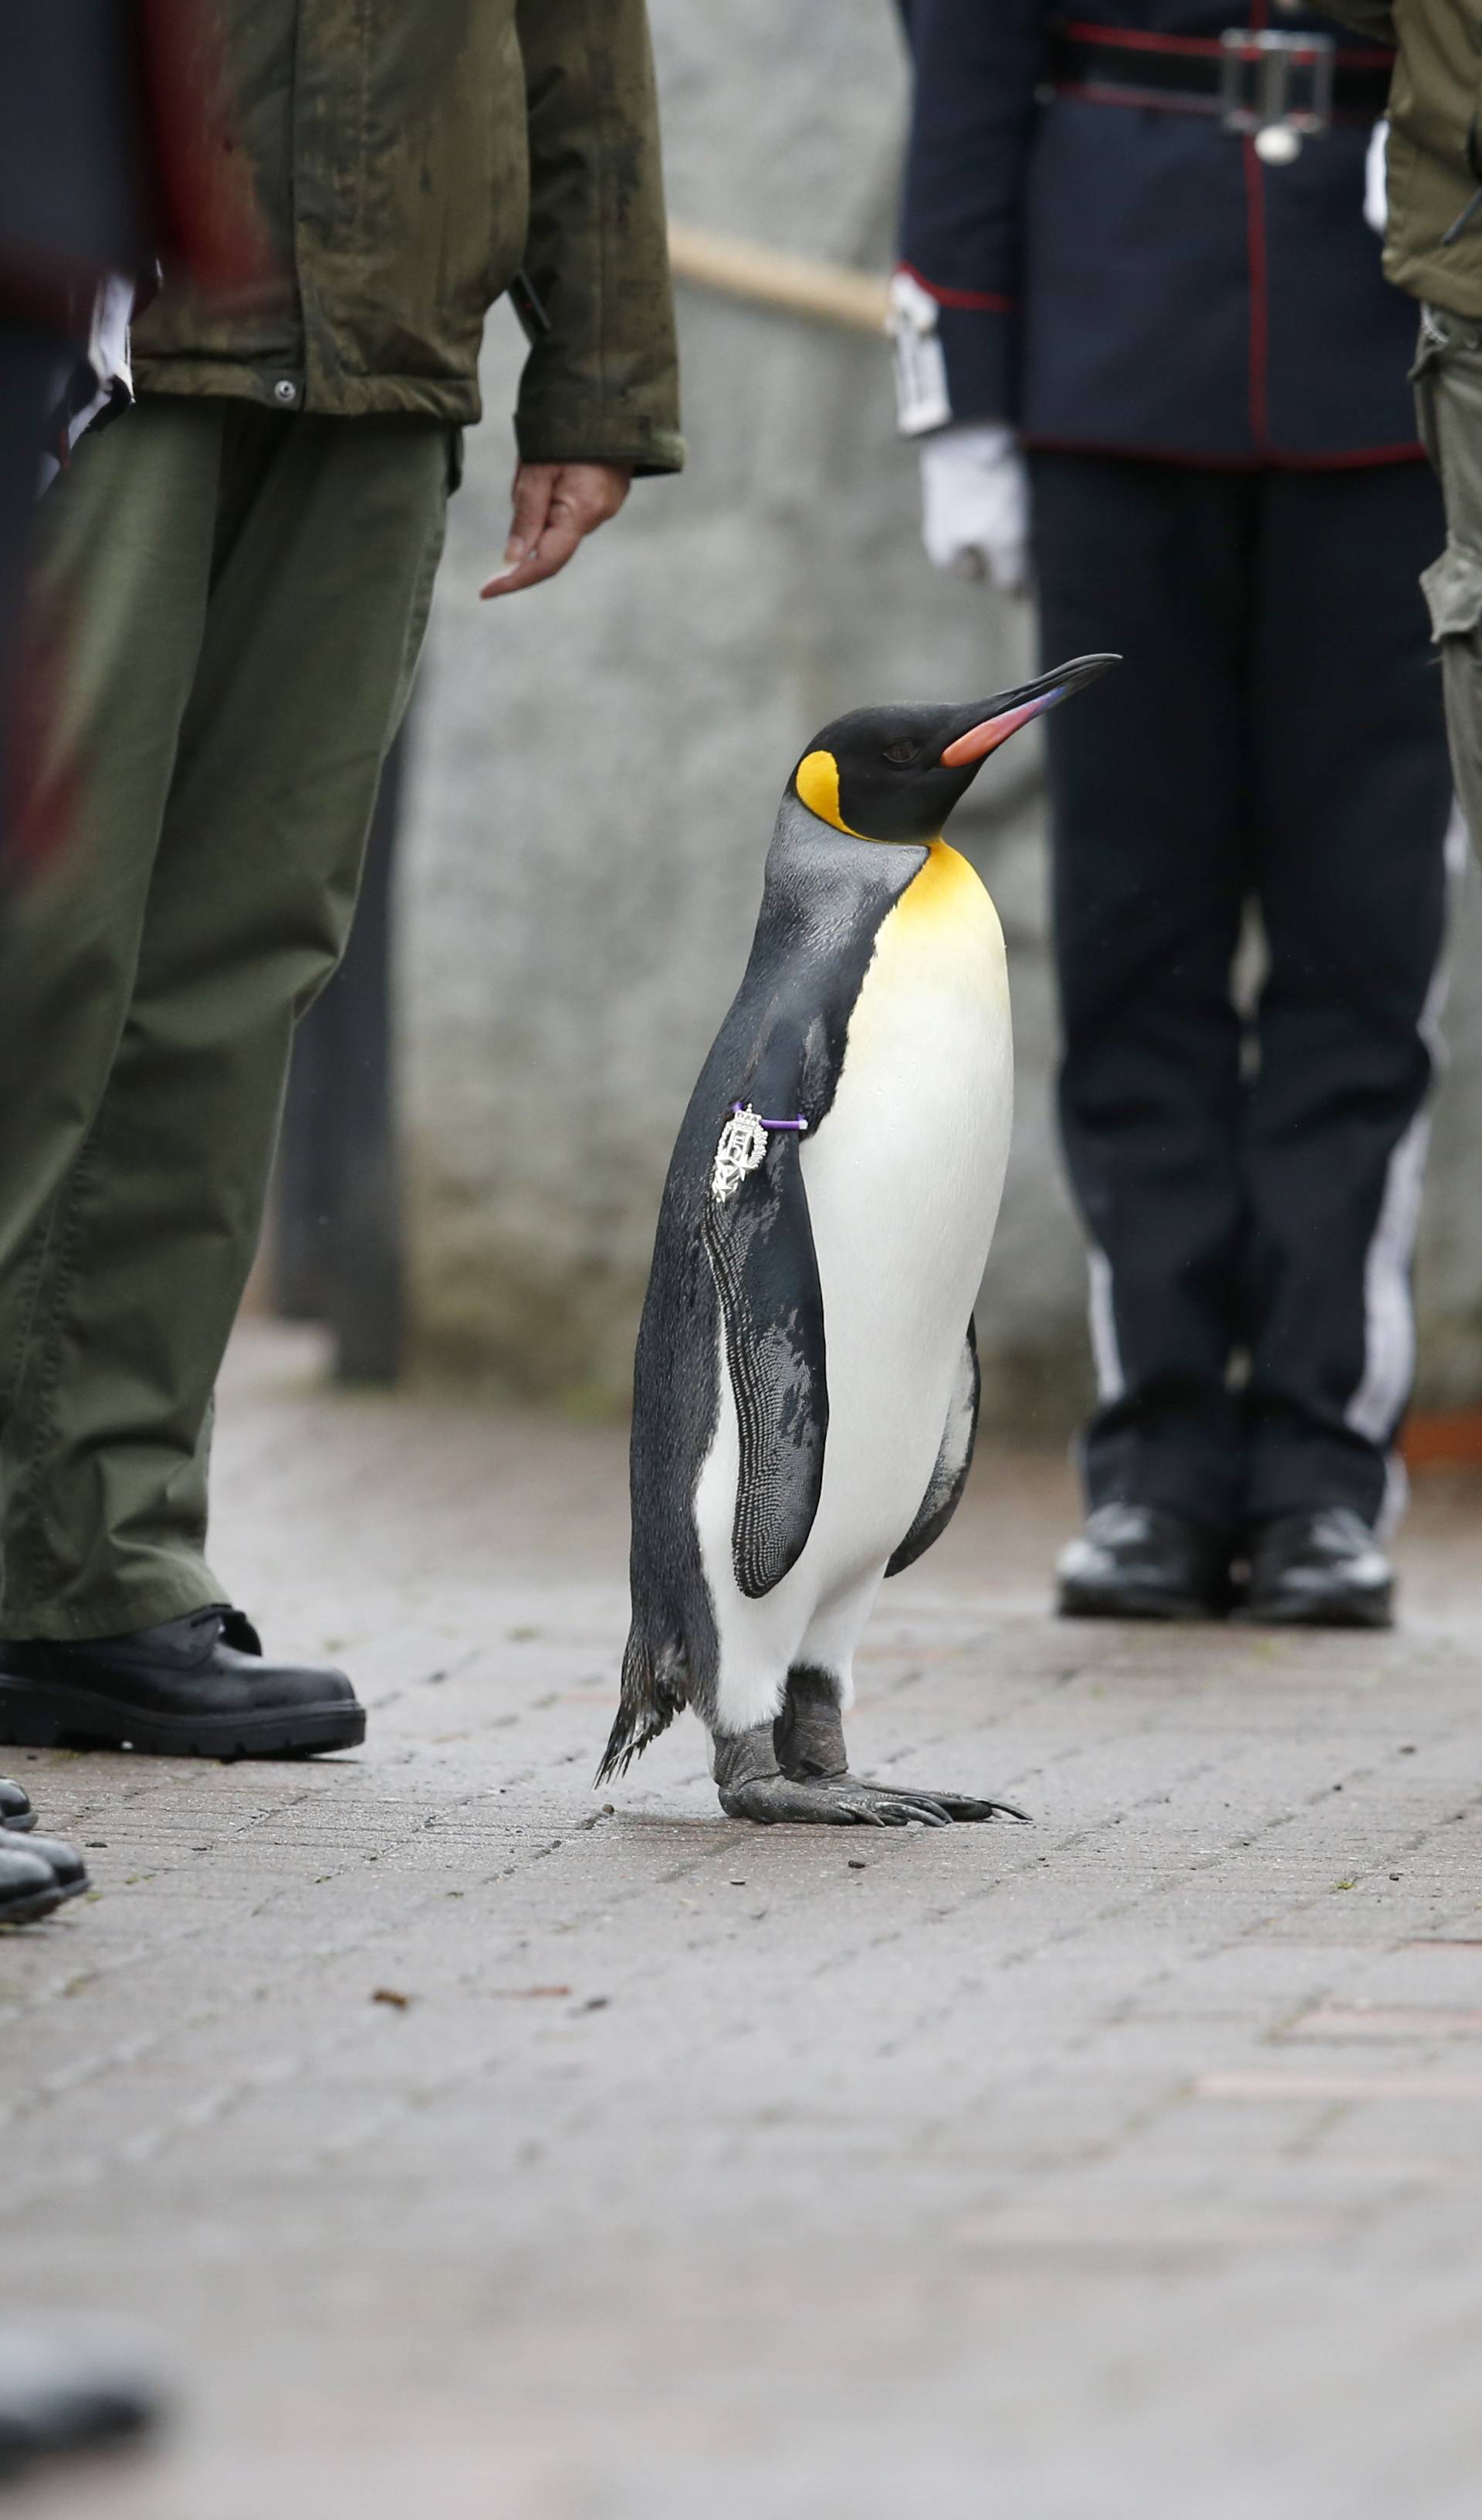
58	2400
1323	1569
67	1863
1137	1561
28	1887
15	1811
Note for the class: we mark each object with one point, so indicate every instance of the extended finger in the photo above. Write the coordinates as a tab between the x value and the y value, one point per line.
550	554
532	497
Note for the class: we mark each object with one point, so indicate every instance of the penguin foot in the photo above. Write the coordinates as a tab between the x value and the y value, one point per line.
840	1802
845	1802
811	1781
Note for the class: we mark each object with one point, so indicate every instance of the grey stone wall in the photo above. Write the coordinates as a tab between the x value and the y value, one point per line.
598	765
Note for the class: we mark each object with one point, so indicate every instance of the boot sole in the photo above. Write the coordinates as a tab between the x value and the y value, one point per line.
41	1903
1127	1605
1376	1613
56	1717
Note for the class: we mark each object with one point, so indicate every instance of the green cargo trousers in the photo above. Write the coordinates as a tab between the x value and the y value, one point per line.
1447	381
228	607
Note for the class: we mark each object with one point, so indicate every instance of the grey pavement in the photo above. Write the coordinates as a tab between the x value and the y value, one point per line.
458	2136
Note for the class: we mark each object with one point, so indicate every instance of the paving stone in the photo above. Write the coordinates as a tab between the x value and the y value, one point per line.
1121	2165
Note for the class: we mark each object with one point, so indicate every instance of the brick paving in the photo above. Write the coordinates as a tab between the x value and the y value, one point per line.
1127	2165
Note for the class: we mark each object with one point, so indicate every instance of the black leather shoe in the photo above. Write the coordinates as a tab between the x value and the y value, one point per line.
28	1887
14	1806
1135	1561
1318	1570
16	1817
195	1687
55	2401
68	1866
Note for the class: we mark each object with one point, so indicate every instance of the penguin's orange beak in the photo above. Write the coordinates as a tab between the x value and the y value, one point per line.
1029	701
981	741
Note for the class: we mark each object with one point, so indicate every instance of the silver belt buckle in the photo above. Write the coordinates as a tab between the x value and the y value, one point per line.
1277	89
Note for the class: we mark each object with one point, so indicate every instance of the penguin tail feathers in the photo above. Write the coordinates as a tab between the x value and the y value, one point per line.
655	1687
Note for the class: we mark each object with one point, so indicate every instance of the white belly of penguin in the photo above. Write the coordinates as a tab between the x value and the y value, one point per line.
904	1177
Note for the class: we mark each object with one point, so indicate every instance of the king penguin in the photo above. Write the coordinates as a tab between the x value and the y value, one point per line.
806	1382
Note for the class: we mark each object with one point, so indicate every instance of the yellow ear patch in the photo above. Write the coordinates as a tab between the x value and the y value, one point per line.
816	783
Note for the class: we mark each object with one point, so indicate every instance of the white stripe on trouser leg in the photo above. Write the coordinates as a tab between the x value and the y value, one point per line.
1389	1319
1110	1381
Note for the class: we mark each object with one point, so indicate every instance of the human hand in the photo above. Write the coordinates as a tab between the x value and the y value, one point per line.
555	506
975	504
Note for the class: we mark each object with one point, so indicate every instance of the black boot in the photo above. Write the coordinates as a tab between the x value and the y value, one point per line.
14	1806
28	1887
68	1866
1318	1570
18	1818
55	2401
1137	1561
195	1687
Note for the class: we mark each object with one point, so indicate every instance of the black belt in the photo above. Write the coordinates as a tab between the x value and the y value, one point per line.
1250	79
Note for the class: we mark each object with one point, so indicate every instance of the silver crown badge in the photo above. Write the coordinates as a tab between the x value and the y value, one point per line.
742	1145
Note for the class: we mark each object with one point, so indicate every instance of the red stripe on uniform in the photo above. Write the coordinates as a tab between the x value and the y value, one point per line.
1086	30
1206	47
981	301
1274	459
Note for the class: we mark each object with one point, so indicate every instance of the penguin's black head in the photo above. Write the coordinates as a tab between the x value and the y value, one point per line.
895	774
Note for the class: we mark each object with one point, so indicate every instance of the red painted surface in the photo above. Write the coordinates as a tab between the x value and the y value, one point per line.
1437	1439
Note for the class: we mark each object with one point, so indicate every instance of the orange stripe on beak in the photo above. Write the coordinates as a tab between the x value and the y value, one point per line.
981	741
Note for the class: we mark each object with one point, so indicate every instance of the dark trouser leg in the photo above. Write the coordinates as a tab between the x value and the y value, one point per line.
1148	817
244	596
1353	796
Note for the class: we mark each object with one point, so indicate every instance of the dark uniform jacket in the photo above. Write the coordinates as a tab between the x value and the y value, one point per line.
407	156
1129	279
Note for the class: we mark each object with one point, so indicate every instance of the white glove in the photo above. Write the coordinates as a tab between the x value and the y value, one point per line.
975	504
1376	178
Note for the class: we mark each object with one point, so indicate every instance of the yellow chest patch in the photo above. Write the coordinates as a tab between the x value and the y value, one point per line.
947	895
936	993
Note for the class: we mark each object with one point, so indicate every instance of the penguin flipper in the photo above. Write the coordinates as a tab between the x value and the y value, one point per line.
760	1247
953	1461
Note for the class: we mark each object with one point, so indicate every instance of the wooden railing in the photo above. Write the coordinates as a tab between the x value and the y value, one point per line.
827	293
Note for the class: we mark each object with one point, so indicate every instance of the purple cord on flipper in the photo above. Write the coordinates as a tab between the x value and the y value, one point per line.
799	1123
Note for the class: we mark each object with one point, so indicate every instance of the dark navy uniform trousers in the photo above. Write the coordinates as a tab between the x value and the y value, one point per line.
1203	360
1250	1186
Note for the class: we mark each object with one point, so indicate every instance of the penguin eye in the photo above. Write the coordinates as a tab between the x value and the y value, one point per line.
905	751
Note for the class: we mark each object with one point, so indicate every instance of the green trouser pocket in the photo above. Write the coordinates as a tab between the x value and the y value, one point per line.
1448	381
1452	590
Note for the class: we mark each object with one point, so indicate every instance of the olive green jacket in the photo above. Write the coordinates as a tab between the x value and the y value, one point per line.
407	158
1435	157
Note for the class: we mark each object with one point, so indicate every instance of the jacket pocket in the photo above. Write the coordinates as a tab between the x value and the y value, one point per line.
1453	589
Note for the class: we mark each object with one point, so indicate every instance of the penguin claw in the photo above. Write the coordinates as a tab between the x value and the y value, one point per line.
852	1802
958	1807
